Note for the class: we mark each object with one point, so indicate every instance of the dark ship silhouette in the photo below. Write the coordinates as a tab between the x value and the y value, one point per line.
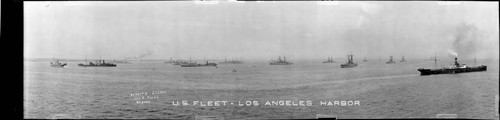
280	62
350	63
390	61
456	68
330	60
194	64
97	63
56	63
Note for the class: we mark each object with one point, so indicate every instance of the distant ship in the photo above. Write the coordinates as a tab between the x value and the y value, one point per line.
231	61
364	60
330	60
350	63
56	63
457	68
280	62
170	61
179	62
403	59
121	61
390	61
190	64
98	63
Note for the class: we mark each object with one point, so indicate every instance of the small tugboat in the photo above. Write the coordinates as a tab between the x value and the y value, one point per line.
280	62
56	63
350	63
97	63
330	60
403	59
390	61
364	60
456	68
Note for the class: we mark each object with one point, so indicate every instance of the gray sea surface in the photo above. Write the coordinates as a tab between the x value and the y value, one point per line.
105	92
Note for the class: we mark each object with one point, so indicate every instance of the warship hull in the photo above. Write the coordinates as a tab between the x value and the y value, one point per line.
348	65
424	71
280	63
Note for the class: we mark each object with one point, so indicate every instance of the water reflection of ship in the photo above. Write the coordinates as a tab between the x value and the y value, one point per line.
97	63
280	62
56	63
364	60
350	63
330	60
403	59
232	61
390	61
456	68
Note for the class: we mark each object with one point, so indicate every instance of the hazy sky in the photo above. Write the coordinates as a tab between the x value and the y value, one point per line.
259	30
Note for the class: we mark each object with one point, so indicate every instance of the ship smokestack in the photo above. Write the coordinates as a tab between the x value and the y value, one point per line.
456	62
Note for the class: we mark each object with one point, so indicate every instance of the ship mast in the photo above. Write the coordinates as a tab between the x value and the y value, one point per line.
435	60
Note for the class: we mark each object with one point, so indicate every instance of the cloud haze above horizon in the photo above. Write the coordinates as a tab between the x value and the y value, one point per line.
259	30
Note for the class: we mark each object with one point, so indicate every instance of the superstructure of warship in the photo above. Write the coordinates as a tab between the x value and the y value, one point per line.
350	63
330	60
231	61
56	63
280	62
390	61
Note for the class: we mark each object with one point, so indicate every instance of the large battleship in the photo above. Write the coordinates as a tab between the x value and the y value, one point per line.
194	64
456	68
231	61
403	59
191	64
97	63
350	63
390	61
330	60
56	63
280	62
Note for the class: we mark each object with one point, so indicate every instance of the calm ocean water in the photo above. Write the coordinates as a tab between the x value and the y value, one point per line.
77	92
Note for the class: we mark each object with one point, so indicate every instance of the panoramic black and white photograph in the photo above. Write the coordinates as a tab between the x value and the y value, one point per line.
230	60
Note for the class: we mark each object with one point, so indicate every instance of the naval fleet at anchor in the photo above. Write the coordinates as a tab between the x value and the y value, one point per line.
456	68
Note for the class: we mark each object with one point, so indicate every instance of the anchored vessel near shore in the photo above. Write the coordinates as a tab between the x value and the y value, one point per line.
330	60
390	61
98	63
280	62
456	68
350	63
403	59
56	63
